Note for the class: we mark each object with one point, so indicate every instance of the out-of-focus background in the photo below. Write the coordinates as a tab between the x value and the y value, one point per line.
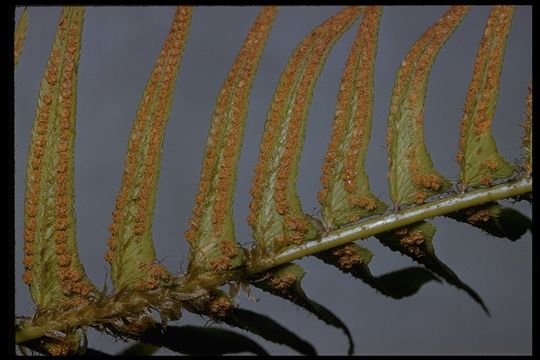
120	45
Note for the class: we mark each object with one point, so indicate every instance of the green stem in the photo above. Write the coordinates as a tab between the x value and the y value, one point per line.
114	306
30	333
385	223
71	319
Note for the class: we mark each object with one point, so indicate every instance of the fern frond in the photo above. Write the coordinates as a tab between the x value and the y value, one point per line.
51	260
411	176
20	35
346	196
145	293
480	161
211	233
131	251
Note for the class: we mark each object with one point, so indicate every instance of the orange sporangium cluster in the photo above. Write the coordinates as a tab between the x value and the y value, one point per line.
411	241
282	283
420	180
296	227
499	24
74	284
20	35
220	263
39	142
33	187
347	257
63	347
482	215
220	307
484	86
147	136
156	274
490	164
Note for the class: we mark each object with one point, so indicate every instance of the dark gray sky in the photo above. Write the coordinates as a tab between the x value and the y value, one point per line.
120	45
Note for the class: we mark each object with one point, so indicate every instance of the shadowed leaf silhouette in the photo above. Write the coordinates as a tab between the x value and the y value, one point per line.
194	340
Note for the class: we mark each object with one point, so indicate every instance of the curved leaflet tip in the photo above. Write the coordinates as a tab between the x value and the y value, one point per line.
411	176
276	215
478	156
345	196
20	35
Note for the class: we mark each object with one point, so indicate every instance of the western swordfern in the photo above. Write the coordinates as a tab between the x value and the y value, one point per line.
144	296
